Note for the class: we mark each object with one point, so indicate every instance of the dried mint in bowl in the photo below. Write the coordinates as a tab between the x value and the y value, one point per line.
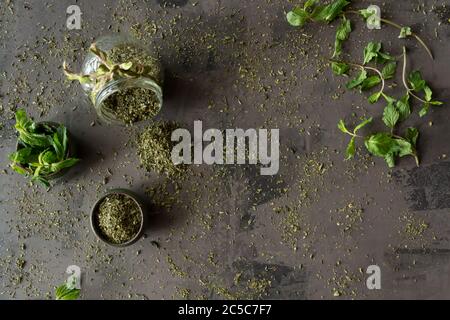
118	218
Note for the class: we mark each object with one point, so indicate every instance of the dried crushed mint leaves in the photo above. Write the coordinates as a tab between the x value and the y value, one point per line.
133	105
119	218
155	149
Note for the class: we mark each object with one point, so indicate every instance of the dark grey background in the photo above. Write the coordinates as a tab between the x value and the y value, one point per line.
308	233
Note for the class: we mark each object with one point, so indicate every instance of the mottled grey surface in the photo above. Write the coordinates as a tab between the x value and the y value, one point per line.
230	233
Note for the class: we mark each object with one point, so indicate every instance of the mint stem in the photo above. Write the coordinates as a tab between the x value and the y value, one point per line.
357	65
396	25
408	89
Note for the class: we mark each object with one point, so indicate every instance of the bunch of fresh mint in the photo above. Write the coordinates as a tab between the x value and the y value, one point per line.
377	67
42	149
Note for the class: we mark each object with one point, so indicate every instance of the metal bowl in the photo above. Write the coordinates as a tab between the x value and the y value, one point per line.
142	209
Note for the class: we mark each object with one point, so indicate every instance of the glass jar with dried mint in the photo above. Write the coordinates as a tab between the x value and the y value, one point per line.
122	79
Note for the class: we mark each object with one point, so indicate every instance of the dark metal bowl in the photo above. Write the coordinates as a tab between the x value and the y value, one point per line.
142	209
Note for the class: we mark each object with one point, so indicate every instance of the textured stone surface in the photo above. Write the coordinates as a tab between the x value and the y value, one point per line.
231	232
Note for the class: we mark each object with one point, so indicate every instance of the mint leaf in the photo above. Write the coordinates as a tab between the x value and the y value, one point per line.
366	13
425	109
403	107
48	157
405	32
384	57
380	144
375	97
404	148
370	82
371	51
412	135
64	293
390	115
330	12
342	127
428	93
58	166
358	80
390	160
340	68
351	149
20	170
342	34
23	155
416	81
297	17
388	71
309	4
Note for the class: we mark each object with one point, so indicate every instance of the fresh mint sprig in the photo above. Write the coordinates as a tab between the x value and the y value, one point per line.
375	70
43	149
383	144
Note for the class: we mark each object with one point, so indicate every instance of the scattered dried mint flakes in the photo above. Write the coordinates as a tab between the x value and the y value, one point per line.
155	148
119	218
133	105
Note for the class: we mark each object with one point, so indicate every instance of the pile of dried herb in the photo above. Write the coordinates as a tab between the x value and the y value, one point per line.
155	147
133	105
119	218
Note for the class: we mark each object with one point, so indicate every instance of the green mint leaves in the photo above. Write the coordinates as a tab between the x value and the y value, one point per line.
419	85
311	11
405	32
330	12
340	68
362	76
297	17
385	144
375	70
314	12
342	33
43	149
373	51
390	147
390	116
389	70
351	147
63	292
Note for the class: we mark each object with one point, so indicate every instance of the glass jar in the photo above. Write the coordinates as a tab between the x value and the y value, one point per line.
125	100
